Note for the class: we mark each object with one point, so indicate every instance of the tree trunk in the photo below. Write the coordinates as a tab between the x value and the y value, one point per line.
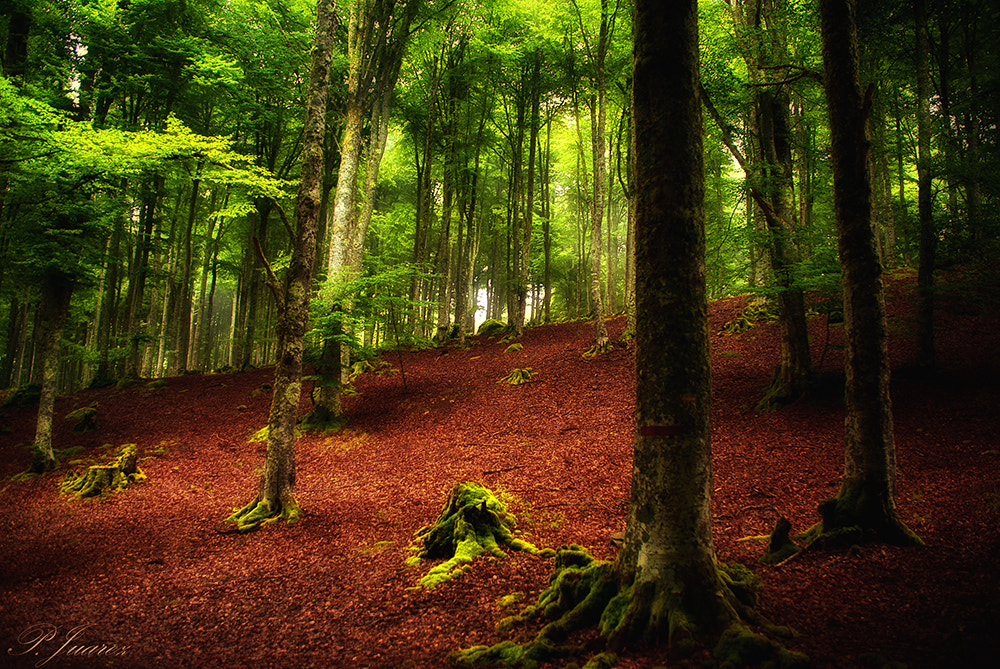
866	497
56	293
668	555
276	492
187	272
928	235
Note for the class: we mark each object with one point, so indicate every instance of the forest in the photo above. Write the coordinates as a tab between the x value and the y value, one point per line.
319	193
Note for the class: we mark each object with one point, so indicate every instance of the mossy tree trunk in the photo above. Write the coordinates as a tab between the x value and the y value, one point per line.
276	492
668	557
866	498
666	586
57	289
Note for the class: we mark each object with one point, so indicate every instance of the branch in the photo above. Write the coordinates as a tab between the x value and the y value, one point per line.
272	279
284	219
770	214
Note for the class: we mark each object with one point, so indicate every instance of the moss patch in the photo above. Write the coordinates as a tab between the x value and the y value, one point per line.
85	417
115	476
518	376
473	522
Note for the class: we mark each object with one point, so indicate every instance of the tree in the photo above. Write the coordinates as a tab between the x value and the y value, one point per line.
276	492
668	560
377	36
925	214
665	585
866	498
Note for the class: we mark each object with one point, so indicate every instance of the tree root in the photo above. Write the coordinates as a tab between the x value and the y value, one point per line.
472	522
99	479
258	513
584	592
600	347
321	419
518	376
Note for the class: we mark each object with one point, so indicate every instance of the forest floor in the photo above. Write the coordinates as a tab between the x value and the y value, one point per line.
152	577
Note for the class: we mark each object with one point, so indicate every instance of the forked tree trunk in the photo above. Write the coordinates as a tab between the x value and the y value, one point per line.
866	497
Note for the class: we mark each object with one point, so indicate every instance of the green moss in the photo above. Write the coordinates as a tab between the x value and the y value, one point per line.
739	647
99	479
518	376
602	661
491	327
258	513
85	417
516	346
510	600
473	522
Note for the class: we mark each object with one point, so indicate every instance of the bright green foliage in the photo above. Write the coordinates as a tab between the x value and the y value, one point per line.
472	522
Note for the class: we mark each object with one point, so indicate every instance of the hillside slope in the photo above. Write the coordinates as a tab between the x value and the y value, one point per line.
153	571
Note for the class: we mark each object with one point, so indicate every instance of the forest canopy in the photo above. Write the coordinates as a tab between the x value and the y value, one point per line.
150	152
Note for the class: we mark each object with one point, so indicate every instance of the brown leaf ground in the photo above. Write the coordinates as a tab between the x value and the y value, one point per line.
149	578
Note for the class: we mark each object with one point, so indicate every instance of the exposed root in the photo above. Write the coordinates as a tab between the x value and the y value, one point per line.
321	419
780	546
472	522
600	347
518	376
112	477
584	592
259	512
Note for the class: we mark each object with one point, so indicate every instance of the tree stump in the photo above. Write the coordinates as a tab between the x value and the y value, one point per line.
112	477
472	522
86	419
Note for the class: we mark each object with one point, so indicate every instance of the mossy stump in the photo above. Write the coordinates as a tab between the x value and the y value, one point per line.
472	522
86	419
98	479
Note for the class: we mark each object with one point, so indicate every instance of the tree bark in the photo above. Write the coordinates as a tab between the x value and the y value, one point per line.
276	492
866	498
56	293
668	555
925	214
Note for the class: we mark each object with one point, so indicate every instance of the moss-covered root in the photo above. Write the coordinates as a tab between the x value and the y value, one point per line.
258	512
854	518
739	647
112	477
584	592
321	419
472	522
780	547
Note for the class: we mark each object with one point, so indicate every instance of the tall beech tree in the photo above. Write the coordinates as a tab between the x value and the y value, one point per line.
275	496
666	585
377	35
668	562
866	499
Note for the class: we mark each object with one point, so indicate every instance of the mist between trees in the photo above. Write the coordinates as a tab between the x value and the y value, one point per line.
477	162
